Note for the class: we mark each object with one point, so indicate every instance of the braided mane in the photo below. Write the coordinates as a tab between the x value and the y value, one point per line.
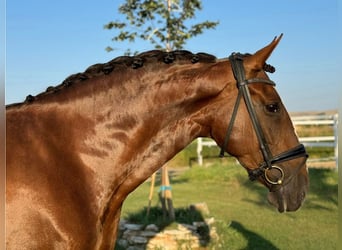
124	62
135	62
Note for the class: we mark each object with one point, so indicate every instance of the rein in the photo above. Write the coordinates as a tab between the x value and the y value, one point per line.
236	60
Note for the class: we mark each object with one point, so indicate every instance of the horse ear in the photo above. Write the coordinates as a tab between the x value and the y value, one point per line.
256	62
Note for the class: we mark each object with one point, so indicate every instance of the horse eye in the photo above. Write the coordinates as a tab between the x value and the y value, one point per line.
273	108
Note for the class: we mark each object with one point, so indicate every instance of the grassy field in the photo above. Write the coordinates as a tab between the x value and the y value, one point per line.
243	217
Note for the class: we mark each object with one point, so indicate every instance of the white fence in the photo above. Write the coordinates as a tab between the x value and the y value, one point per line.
317	141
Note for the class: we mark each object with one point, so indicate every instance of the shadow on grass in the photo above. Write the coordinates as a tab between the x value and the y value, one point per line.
184	216
323	187
254	240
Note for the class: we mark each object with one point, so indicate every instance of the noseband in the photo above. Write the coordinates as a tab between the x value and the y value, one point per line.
236	61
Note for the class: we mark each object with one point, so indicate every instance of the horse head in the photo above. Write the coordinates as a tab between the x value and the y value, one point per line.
260	133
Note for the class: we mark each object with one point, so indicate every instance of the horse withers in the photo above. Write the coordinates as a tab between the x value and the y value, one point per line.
75	151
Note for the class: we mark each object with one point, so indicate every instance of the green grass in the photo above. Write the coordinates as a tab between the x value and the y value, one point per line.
244	219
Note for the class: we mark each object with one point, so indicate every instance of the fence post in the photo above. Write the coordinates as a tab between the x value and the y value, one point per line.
336	138
199	151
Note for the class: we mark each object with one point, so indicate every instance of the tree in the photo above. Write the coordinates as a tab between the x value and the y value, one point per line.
164	23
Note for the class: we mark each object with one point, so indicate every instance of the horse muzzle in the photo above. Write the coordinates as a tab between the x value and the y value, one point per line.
291	196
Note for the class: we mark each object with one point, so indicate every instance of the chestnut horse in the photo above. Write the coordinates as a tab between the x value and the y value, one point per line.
75	151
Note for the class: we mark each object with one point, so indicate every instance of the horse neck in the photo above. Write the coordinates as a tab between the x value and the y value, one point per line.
136	126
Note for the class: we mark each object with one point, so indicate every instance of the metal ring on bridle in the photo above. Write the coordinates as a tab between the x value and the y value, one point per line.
280	180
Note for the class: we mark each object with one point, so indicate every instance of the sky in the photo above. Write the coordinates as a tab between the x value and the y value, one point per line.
46	41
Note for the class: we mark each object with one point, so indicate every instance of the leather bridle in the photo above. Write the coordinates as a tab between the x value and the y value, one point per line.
236	61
